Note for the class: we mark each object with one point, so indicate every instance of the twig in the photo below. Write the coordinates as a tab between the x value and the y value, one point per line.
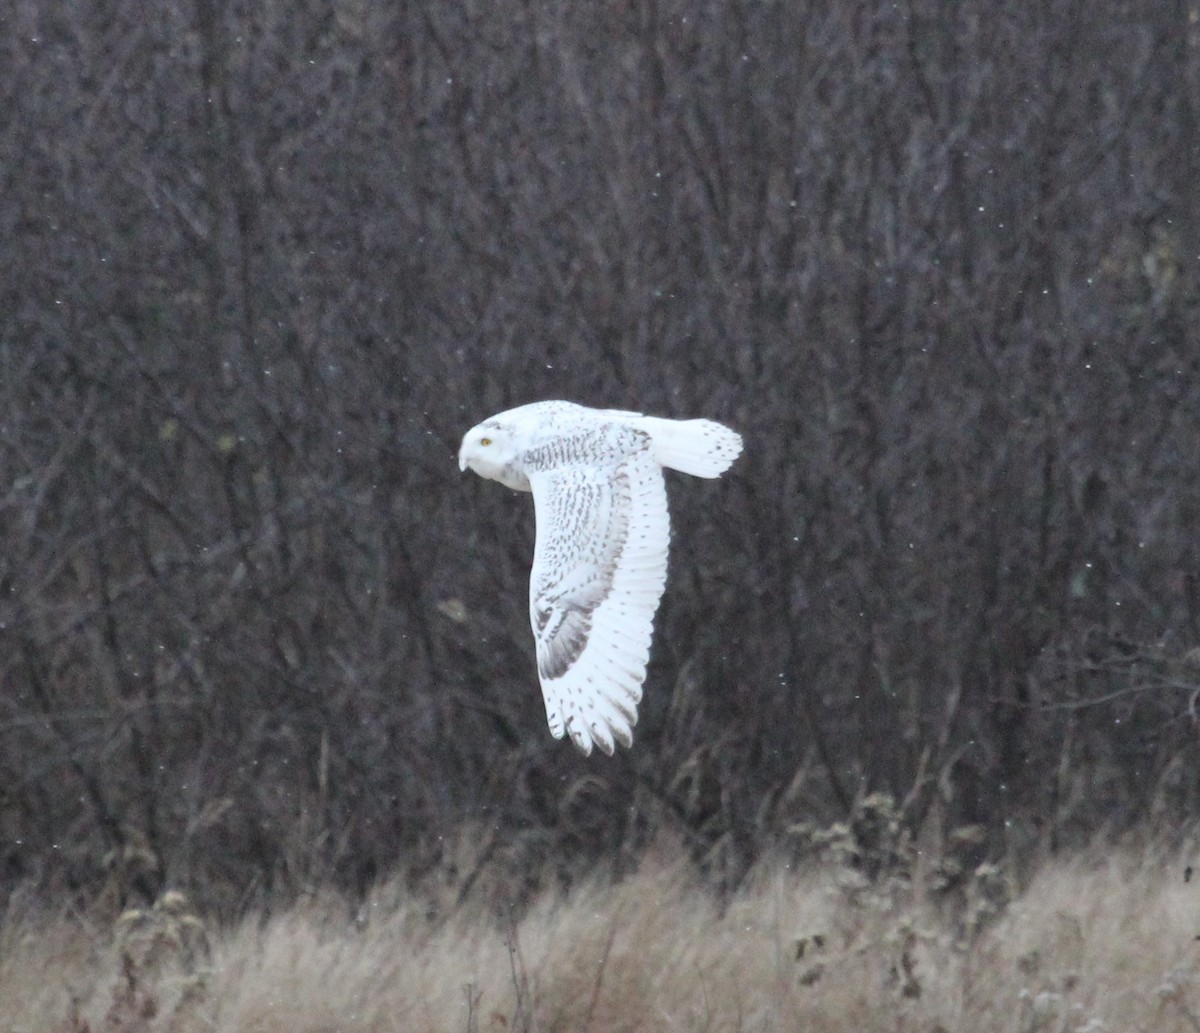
524	1017
473	996
591	1008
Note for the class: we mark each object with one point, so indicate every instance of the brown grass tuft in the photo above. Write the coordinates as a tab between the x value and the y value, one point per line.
1104	941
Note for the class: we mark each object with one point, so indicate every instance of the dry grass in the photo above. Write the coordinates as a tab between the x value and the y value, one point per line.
1101	942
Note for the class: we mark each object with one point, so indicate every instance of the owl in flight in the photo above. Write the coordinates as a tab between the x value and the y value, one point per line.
600	562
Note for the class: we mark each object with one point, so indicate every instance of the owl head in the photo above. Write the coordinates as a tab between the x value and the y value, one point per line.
490	450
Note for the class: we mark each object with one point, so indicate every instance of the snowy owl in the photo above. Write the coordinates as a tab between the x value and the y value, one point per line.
600	562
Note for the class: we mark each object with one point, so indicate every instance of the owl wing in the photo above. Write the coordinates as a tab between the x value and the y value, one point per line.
599	568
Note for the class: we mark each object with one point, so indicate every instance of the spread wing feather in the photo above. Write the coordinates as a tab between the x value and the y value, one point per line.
599	568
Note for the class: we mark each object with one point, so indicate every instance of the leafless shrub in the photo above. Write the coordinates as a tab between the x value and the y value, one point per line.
264	264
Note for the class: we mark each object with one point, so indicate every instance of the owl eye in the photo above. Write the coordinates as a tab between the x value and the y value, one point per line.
485	441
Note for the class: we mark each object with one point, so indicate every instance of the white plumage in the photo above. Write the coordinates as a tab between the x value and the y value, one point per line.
600	562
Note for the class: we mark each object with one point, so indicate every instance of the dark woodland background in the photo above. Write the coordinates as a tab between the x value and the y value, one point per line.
264	263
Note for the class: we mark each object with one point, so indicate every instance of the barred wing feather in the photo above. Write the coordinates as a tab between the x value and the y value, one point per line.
599	568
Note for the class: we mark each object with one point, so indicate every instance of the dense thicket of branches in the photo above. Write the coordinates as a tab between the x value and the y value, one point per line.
264	263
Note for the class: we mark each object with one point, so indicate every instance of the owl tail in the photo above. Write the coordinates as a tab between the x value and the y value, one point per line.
702	448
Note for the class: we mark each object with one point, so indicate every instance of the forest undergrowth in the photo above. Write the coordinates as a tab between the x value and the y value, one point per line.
861	930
